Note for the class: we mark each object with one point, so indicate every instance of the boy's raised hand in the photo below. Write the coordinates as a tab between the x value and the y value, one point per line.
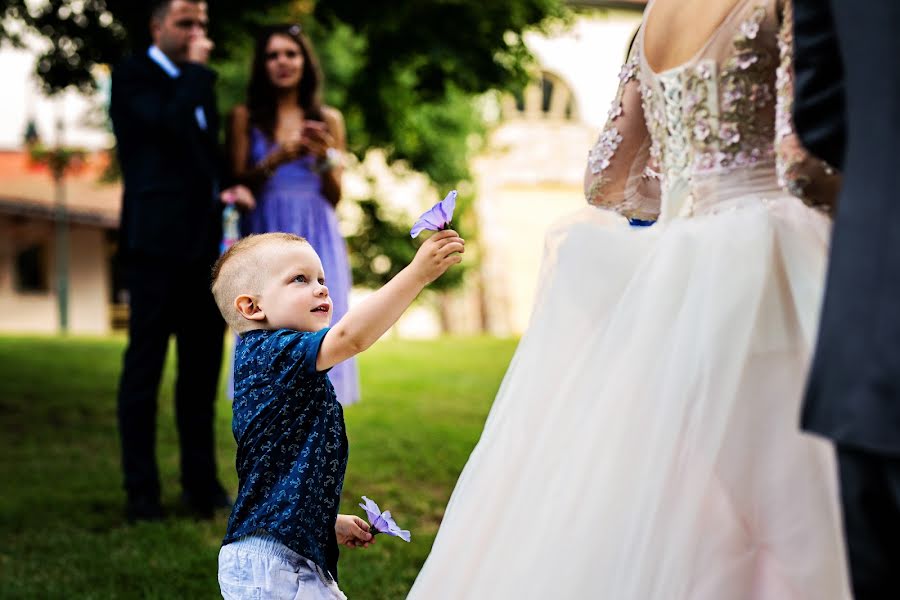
352	532
437	254
366	322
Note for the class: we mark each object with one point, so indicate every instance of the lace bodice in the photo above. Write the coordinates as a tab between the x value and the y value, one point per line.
723	115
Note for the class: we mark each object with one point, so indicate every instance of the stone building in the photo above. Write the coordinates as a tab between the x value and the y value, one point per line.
532	170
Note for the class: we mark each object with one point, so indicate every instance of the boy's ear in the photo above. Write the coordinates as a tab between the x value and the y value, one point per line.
248	308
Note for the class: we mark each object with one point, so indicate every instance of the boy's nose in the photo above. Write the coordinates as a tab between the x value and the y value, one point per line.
323	291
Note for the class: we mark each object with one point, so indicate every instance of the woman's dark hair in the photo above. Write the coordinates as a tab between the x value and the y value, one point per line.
262	101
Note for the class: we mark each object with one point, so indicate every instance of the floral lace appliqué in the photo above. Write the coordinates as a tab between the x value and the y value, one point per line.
605	148
706	116
736	136
603	151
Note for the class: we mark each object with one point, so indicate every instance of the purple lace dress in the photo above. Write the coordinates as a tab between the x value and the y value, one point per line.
291	201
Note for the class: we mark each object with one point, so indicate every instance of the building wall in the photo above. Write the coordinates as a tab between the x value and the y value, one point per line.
37	311
89	290
521	192
532	172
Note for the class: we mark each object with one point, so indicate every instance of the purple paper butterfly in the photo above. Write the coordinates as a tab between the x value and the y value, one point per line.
382	522
438	217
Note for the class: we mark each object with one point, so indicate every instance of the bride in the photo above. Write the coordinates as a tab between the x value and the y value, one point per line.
644	443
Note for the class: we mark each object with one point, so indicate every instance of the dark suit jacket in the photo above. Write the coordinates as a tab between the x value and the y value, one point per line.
171	167
847	111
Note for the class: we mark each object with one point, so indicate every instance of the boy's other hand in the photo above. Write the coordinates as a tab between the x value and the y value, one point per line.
353	532
437	254
240	196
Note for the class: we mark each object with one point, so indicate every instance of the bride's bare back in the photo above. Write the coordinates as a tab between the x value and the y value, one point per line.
676	30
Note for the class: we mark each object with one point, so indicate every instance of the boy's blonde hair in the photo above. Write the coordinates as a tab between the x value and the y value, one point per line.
242	270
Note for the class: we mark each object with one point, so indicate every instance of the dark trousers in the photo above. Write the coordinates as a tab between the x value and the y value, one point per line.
168	298
870	494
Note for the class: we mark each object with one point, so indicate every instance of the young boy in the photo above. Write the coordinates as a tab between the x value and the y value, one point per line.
283	534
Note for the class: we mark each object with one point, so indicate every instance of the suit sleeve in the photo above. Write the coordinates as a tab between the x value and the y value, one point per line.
818	110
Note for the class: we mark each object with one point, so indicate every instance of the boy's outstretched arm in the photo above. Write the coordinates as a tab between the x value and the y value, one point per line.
368	321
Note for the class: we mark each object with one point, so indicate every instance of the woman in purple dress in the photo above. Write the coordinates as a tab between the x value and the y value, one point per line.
287	147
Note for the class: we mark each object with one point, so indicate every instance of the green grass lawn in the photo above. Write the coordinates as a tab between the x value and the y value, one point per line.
62	528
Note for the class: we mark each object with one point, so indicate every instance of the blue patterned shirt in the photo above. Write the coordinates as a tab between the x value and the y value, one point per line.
291	443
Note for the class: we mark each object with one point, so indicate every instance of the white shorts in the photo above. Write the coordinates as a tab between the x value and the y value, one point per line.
258	566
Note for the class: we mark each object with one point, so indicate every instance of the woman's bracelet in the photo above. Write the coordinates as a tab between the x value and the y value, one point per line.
333	159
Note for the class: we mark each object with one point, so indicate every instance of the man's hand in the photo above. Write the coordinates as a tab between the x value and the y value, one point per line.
240	196
437	254
352	532
199	48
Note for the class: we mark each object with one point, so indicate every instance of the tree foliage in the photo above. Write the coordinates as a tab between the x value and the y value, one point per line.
421	61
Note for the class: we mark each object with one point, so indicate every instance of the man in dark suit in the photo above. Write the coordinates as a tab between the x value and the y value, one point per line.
166	124
847	111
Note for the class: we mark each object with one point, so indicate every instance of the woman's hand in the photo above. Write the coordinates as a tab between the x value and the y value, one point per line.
313	139
316	139
287	150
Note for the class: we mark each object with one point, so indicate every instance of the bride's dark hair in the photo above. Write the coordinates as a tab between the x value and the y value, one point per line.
262	98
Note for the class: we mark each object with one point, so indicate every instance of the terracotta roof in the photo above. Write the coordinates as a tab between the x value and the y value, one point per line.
27	189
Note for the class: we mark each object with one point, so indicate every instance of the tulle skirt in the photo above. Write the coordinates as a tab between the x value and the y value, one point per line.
644	444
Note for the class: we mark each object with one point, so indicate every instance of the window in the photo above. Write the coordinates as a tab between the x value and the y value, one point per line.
31	269
546	93
548	97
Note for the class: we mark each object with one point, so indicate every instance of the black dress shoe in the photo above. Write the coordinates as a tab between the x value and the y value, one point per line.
143	508
205	505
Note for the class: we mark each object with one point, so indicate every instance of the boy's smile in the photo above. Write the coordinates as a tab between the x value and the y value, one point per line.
294	295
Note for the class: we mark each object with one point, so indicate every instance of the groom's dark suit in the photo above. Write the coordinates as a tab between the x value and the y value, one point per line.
847	111
166	130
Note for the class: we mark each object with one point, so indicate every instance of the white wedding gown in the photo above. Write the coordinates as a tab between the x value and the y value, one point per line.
644	444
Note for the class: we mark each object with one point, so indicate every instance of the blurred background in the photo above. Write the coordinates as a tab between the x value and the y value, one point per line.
501	100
